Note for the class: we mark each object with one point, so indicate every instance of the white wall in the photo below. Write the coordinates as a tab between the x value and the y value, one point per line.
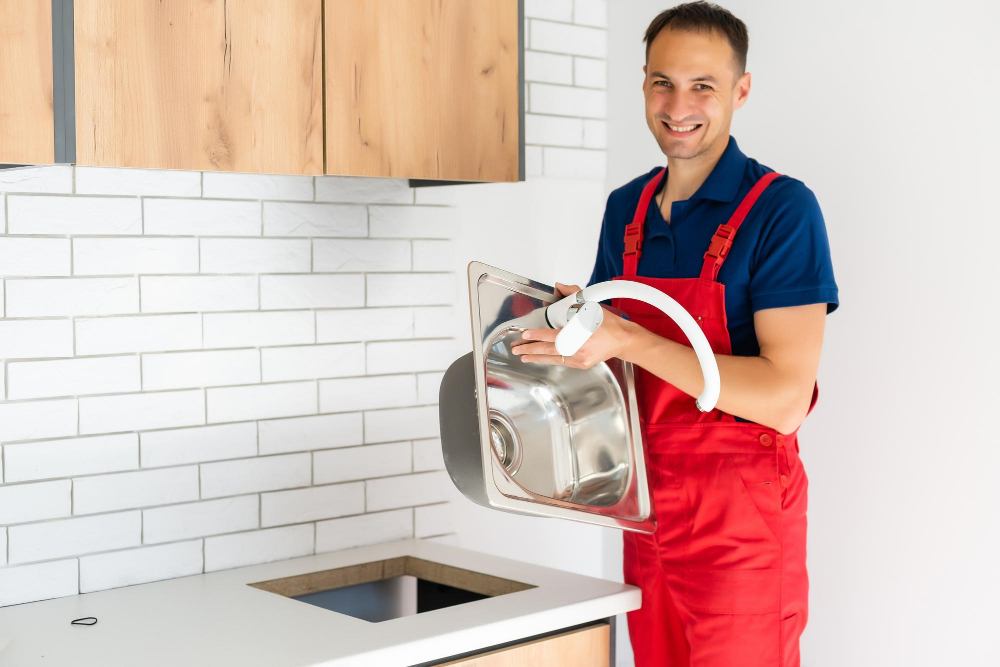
887	111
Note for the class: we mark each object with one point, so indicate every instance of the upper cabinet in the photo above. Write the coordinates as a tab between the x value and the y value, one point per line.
189	84
423	89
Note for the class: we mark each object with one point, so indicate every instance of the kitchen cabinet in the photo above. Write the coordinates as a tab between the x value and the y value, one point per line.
420	89
582	647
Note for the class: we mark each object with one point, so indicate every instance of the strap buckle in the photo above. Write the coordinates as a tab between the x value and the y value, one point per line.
721	242
633	242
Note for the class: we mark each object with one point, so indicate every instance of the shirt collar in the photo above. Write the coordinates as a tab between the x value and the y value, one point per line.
723	184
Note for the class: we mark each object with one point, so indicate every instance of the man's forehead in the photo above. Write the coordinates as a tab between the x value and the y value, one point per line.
681	54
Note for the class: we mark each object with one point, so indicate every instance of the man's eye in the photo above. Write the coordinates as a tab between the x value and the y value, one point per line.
663	82
706	86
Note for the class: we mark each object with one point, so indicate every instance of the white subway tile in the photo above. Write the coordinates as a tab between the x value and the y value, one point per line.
409	289
198	217
411	356
265	473
433	222
115	335
103	257
73	537
171	294
433	256
139	566
591	12
213	517
358	463
72	377
358	531
532	161
3	546
33	339
180	370
360	255
311	291
163	182
336	220
450	540
427	455
568	101
259	546
71	456
257	186
44	297
140	412
37	419
590	73
595	134
434	520
305	362
402	424
254	255
311	504
41	581
278	436
34	257
569	39
429	386
128	490
553	130
20	503
288	399
259	329
363	190
52	178
548	67
195	445
408	490
575	163
73	215
366	393
556	10
361	324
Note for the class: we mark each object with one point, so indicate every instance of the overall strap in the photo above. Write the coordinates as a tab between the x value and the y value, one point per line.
722	240
633	231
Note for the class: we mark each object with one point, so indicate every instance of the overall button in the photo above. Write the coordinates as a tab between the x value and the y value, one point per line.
784	481
765	439
781	440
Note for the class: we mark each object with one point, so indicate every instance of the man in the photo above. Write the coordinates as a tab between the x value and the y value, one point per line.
745	251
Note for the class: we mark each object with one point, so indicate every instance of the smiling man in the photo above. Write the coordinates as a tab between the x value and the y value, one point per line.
745	251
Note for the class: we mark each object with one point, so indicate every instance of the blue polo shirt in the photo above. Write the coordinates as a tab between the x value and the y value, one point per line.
780	256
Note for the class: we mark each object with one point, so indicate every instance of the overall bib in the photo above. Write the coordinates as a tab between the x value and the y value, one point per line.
723	578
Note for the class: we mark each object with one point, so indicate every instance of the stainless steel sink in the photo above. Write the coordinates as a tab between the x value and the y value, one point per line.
540	439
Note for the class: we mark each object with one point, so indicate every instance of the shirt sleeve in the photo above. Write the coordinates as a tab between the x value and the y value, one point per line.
792	264
601	270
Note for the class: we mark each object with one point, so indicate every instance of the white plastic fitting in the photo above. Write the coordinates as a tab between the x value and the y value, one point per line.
580	314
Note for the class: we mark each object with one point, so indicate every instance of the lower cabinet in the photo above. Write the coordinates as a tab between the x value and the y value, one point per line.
581	647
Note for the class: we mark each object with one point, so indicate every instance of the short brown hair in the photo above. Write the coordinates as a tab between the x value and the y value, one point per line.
703	16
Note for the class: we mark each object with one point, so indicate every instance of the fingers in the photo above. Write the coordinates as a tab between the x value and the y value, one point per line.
540	334
535	348
566	290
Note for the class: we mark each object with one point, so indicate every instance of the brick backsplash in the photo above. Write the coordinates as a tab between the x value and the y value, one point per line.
203	371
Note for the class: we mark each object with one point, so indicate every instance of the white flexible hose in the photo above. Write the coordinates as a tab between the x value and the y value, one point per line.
572	336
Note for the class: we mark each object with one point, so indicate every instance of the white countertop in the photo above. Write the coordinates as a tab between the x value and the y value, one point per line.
216	619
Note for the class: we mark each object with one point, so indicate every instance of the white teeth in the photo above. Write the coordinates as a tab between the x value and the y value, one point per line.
681	129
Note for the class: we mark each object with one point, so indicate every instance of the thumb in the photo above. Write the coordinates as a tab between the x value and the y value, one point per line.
566	290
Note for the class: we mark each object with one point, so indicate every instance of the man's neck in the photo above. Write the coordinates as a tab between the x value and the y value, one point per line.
684	177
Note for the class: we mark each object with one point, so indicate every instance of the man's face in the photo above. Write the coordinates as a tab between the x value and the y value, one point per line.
691	81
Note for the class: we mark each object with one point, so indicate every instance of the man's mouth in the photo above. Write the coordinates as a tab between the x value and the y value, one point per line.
680	130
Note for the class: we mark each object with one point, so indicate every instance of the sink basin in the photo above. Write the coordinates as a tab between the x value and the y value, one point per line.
538	439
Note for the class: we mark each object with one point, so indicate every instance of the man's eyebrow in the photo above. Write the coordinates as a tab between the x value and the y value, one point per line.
710	79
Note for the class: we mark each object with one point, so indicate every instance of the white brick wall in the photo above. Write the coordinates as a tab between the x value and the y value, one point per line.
201	371
196	369
565	82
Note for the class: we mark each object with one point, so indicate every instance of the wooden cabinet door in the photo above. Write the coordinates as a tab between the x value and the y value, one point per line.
584	647
26	119
422	89
200	84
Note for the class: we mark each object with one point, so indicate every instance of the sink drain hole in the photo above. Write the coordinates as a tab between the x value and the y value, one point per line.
506	443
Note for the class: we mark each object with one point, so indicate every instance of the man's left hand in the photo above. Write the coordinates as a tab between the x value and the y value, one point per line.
612	339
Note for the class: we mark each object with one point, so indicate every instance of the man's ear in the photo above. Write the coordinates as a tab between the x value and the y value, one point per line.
644	78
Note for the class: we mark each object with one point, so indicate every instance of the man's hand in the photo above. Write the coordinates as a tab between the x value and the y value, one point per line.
612	339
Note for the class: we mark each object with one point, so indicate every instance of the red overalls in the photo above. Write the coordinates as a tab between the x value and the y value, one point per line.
723	578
